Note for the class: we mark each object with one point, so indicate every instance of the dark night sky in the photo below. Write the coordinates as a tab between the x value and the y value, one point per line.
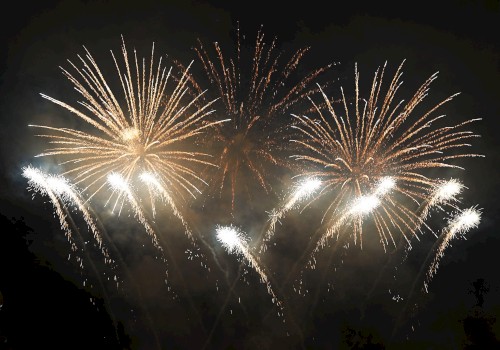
459	39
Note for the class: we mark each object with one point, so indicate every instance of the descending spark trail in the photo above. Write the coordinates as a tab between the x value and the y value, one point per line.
62	194
356	211
445	192
38	182
118	183
352	148
234	241
302	191
256	90
67	192
458	225
157	188
154	182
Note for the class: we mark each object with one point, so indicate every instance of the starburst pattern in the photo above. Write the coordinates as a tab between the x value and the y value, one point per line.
257	96
154	128
352	149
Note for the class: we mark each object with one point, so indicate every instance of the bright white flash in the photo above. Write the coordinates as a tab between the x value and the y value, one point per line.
148	178
386	184
232	238
117	182
307	187
43	181
447	190
59	184
151	180
467	219
34	175
364	205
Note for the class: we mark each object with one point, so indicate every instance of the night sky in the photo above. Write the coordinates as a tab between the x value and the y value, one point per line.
354	299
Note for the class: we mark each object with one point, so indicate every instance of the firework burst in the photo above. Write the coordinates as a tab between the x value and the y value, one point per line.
353	149
154	128
254	94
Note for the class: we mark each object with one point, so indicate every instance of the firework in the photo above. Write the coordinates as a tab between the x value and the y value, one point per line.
119	184
255	94
234	241
444	193
148	130
302	191
63	194
60	191
155	185
458	225
356	211
352	150
38	182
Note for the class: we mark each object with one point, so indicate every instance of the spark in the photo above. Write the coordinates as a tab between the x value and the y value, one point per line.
446	191
120	184
37	181
352	148
303	190
359	209
458	225
62	193
235	242
254	94
231	238
68	192
443	193
364	205
154	182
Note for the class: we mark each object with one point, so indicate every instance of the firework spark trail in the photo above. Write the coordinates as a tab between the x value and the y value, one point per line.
458	225
123	264
356	211
148	134
254	94
153	181
68	193
302	191
118	183
37	181
234	241
351	149
60	192
444	193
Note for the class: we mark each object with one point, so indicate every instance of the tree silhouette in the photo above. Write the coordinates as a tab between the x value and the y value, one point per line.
478	325
40	309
